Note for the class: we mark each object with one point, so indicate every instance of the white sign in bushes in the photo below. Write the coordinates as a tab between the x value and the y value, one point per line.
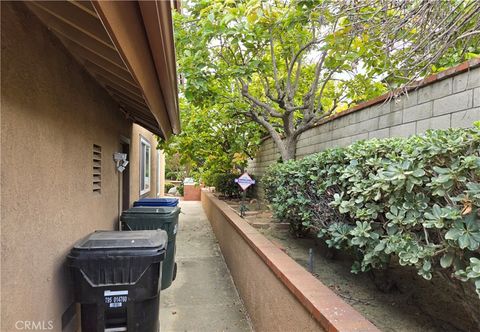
245	181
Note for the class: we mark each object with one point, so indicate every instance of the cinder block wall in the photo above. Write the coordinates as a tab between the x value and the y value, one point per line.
447	100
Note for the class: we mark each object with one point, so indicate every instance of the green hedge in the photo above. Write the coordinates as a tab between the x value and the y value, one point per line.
415	200
224	183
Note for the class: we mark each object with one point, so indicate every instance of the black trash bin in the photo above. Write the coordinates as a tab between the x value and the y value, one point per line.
160	217
116	278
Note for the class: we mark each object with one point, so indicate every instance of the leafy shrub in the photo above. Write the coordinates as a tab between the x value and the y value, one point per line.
415	200
181	189
172	175
224	183
168	186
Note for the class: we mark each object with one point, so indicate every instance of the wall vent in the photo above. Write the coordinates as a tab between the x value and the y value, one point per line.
97	169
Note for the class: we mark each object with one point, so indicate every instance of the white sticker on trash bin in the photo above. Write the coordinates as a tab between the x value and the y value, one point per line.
115	299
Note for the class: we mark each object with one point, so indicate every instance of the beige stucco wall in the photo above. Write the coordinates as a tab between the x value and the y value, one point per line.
161	188
137	133
52	112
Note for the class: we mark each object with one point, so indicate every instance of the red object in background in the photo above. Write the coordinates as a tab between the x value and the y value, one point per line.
192	192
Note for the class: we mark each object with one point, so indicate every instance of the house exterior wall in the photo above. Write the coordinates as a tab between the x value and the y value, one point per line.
161	188
137	133
439	103
52	112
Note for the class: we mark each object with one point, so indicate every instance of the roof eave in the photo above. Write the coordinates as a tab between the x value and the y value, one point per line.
144	41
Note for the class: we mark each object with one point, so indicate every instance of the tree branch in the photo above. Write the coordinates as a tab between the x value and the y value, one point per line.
271	130
280	94
290	93
258	102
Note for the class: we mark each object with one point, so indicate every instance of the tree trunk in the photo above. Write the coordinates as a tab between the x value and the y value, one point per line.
287	147
291	145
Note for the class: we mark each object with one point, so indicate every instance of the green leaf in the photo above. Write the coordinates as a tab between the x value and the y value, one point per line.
447	260
441	170
379	247
453	234
418	173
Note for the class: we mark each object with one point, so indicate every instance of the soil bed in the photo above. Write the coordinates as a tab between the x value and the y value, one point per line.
414	304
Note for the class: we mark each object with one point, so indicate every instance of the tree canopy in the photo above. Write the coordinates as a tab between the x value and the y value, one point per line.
286	65
211	141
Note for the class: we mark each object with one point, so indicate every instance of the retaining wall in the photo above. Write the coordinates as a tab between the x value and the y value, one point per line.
450	99
278	293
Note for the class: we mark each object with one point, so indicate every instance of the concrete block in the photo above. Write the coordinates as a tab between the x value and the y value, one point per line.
268	145
266	155
473	78
367	126
325	136
343	142
323	146
476	97
363	114
381	133
390	120
306	150
333	143
310	133
272	156
328	126
268	158
304	137
460	82
403	130
378	110
303	140
453	103
355	129
303	151
359	137
439	122
316	148
312	140
321	138
406	100
384	108
434	91
465	119
418	112
343	121
336	134
397	103
341	132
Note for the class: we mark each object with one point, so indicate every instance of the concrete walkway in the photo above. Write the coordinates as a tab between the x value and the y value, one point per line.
203	296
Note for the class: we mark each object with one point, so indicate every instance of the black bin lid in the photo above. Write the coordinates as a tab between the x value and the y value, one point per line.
107	240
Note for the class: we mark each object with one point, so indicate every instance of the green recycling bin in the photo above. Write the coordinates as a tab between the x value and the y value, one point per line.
151	218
